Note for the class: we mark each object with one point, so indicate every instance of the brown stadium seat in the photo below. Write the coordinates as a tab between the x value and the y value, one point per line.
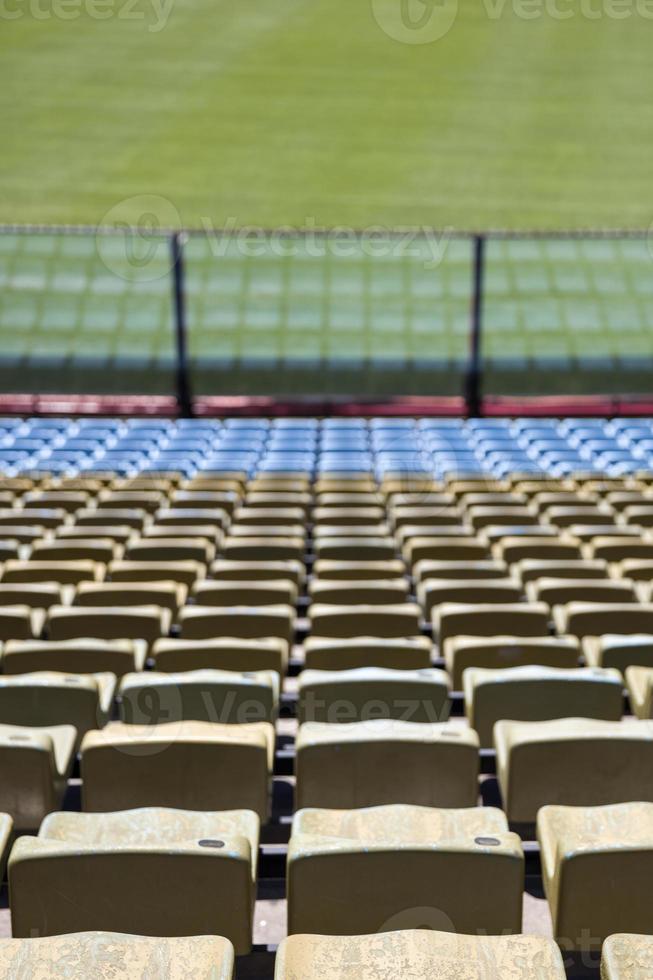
357	516
639	514
111	532
327	569
558	591
127	766
354	591
62	572
108	622
597	618
623	951
20	622
263	548
184	572
485	516
619	548
67	500
463	863
117	871
429	515
596	870
567	516
280	498
420	953
491	619
619	650
35	764
636	569
348	548
187	517
248	592
372	763
532	569
133	517
168	595
433	592
246	622
222	653
224	570
453	548
171	549
517	548
223	696
537	693
495	652
101	550
459	570
572	762
391	621
95	954
267	532
36	595
639	681
215	499
81	656
269	516
147	500
373	692
403	653
51	698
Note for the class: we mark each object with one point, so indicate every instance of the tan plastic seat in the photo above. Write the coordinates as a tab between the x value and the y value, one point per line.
279	498
597	618
573	762
147	500
67	500
639	514
184	572
231	592
20	622
267	532
326	569
222	696
537	693
428	515
567	516
433	592
619	650
403	653
35	764
463	863
46	517
500	652
485	516
193	765
133	517
118	871
223	653
108	622
372	763
365	693
191	517
639	681
22	534
263	548
355	548
596	870
420	953
454	548
171	549
391	621
214	499
245	622
532	569
184	534
111	532
349	499
35	595
491	619
95	954
358	591
459	570
636	569
517	548
101	550
168	595
626	957
558	591
74	656
51	698
224	570
62	572
619	548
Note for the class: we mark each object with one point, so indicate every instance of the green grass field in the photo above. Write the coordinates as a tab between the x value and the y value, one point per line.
281	111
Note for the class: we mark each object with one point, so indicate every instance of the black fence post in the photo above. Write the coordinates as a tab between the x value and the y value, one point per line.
473	379
184	399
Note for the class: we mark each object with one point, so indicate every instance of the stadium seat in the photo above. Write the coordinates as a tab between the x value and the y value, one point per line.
171	549
428	569
559	591
245	622
101	550
221	653
117	872
421	953
230	592
619	650
263	548
35	764
403	653
519	548
62	572
168	595
176	765
74	656
349	548
532	569
365	693
224	570
223	696
490	619
537	693
354	591
51	698
184	572
20	622
624	953
598	618
372	763
496	652
572	762
639	681
433	592
345	621
463	863
596	867
101	954
327	569
36	595
454	548
107	622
